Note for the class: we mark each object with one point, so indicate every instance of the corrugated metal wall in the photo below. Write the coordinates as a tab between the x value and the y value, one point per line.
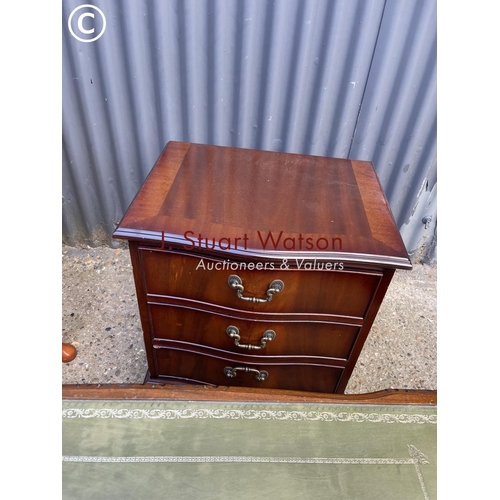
343	78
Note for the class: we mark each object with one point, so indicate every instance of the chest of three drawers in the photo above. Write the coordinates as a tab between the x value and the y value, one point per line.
231	312
306	337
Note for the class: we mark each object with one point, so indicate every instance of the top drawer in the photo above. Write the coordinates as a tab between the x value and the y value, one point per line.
346	293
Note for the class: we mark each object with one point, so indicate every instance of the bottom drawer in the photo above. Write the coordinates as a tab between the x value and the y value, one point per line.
201	368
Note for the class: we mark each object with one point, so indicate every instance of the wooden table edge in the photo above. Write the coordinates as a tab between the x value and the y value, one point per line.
173	392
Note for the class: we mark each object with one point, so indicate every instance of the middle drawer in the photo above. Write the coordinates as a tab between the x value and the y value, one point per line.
244	336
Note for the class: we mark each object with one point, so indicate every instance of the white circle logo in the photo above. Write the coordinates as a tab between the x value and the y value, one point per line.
89	26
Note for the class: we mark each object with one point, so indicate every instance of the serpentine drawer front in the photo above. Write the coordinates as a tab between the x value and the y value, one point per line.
262	335
216	370
171	274
259	269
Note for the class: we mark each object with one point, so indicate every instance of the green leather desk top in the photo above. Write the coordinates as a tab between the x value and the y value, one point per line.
209	450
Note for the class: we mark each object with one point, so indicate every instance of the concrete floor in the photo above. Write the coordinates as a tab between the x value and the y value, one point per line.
101	319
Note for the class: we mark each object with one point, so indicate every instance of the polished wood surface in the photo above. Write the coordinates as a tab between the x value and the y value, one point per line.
321	226
316	291
177	392
289	373
172	275
293	337
240	202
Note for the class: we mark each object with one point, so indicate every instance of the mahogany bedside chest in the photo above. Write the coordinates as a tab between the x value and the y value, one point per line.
257	268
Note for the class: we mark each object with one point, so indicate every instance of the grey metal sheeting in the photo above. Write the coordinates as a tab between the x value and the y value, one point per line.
343	78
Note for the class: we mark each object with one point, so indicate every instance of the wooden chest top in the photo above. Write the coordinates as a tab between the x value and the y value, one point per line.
243	203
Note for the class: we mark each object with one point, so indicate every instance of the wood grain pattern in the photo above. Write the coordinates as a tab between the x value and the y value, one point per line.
208	368
277	201
184	392
320	225
293	338
329	292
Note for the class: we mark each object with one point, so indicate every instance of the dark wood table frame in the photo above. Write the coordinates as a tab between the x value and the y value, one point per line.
207	393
